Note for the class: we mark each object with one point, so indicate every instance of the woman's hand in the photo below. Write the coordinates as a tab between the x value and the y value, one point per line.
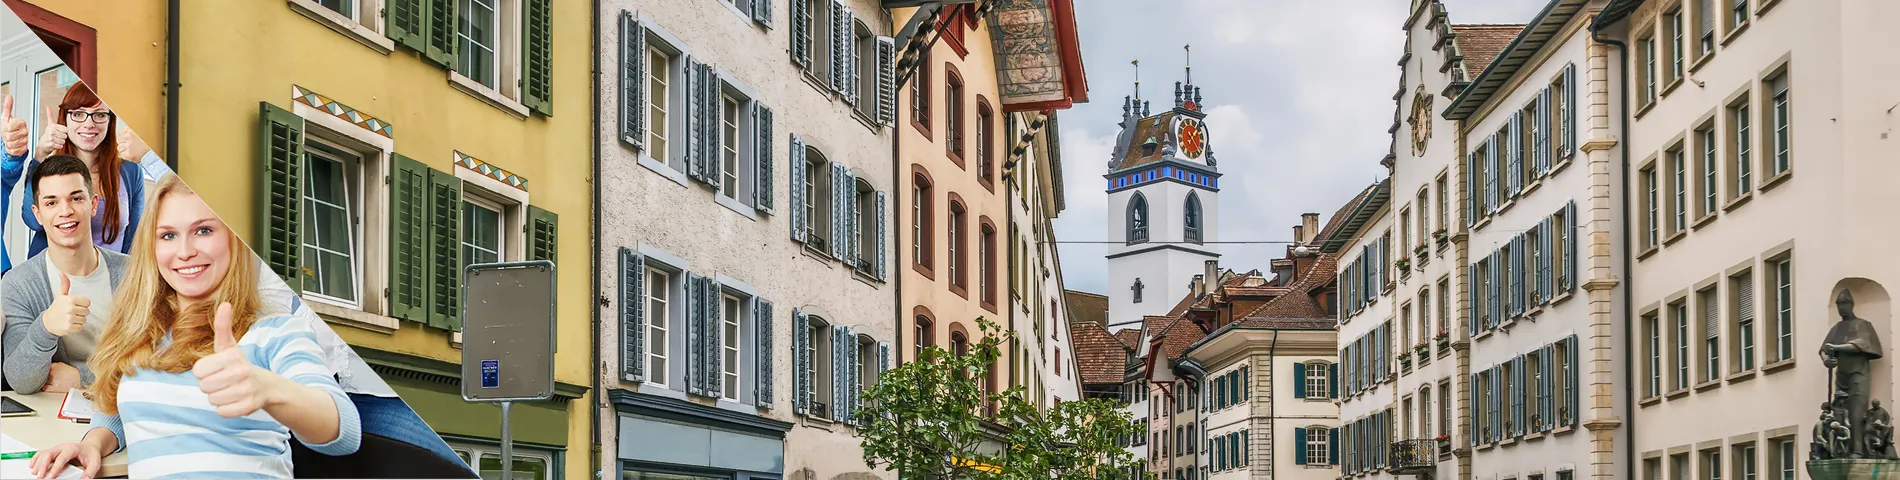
50	462
232	384
53	135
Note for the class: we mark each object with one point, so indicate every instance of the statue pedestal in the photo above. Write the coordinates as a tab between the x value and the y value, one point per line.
1854	468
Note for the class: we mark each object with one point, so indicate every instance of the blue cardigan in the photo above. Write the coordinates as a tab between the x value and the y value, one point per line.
129	174
11	169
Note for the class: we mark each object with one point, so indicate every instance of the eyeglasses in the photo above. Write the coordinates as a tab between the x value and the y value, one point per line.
94	117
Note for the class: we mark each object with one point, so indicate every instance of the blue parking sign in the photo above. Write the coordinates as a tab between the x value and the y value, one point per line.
491	374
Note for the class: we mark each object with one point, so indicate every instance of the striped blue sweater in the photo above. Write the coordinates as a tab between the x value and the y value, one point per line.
170	430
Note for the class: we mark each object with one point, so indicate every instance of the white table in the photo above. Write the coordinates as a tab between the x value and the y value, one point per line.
44	429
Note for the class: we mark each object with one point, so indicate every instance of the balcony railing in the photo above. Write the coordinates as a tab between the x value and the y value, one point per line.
1414	455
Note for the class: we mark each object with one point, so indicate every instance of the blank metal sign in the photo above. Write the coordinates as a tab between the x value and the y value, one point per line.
508	332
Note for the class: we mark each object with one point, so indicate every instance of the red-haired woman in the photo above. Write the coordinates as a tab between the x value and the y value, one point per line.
82	126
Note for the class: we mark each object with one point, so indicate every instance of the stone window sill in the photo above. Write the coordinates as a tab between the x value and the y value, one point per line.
1673	84
488	95
1648	252
1778	179
1650	402
1777	366
1708	385
1679	393
1673	238
1741	376
1734	31
1563	430
343	25
351	317
1737	202
1703	60
1700	222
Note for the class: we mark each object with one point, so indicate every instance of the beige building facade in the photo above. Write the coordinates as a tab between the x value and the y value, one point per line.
1757	168
746	282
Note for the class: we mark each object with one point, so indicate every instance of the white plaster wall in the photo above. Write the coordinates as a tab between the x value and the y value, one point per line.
642	207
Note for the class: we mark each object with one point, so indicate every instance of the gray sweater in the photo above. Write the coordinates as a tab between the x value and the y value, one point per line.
30	349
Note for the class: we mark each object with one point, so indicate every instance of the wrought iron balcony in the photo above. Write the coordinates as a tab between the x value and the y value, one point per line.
1414	456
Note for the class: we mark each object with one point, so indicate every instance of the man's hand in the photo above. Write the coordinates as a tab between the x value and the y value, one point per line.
12	129
62	377
68	313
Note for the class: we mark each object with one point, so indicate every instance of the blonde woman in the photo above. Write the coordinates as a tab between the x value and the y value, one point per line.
195	379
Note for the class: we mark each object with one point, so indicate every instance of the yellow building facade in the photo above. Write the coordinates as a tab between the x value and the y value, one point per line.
370	149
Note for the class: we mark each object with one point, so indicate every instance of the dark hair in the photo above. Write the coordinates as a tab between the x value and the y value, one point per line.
55	166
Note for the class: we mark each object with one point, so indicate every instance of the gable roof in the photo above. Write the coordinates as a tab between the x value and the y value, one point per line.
1298	302
1129	337
1512	57
1085	307
1480	44
1357	214
1099	356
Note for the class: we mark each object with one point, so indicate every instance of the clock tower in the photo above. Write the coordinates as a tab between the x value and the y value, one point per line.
1162	184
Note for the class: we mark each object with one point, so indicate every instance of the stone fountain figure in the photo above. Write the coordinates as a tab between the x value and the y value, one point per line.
1854	438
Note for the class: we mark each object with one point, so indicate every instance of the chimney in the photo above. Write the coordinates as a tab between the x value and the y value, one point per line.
1299	238
1212	277
1310	222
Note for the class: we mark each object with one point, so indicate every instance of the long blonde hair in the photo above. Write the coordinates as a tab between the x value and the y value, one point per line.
145	308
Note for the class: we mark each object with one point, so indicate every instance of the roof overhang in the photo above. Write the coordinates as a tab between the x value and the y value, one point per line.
1539	31
1361	216
1038	55
1235	338
1616	11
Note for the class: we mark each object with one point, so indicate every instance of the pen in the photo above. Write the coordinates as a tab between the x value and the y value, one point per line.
15	455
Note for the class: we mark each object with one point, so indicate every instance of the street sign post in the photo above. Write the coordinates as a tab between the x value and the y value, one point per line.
508	339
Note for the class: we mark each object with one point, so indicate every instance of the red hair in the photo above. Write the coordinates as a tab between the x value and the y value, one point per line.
105	163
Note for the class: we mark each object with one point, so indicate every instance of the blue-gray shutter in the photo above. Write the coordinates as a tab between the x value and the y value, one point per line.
632	81
1546	258
1471	186
1570	110
836	206
1517	275
1494	288
1473	433
762	156
632	315
1491	174
800	18
852	58
882	220
1299	442
1497	404
713	355
796	169
1570	376
1332	446
854	224
801	364
762	12
1514	170
886	80
1543	133
763	368
694	105
840	336
1571	230
712	169
1546	389
695	334
840	29
883	359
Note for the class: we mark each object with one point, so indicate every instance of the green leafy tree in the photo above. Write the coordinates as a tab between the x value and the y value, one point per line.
932	420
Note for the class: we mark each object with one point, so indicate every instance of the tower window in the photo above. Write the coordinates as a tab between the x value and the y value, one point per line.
1138	220
1191	229
1137	289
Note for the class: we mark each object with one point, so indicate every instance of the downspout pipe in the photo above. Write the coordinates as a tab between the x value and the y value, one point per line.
172	33
593	260
1622	90
1273	427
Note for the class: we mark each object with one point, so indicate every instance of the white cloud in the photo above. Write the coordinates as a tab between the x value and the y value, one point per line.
1299	97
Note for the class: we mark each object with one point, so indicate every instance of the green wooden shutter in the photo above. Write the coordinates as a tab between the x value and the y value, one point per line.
445	255
439	38
633	54
543	234
537	52
280	217
409	223
632	315
1299	381
763	332
408	23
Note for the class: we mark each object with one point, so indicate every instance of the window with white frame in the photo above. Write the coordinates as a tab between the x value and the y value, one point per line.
1784	460
729	146
1318	445
818	366
1742	141
865	47
1318	380
1779	150
1745	464
485	227
1444	203
864	210
1679	314
1652	350
1708	186
1705	27
659	295
867	362
478	34
1651	226
1781	304
1711	335
1673	28
359	11
1741	292
817	189
659	95
1712	464
1678	189
731	311
1646	53
529	463
333	209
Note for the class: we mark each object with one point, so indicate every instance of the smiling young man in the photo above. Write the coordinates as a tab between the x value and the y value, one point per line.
57	302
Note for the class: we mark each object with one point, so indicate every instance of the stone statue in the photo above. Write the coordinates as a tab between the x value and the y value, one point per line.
1879	432
1818	447
1849	350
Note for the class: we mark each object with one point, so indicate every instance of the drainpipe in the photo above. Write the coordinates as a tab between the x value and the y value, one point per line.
1622	90
897	185
1273	427
593	260
172	33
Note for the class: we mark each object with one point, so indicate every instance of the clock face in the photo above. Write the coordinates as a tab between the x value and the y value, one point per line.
1421	121
1193	137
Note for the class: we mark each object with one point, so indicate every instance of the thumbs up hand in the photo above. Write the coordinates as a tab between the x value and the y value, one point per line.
68	313
53	134
12	129
232	385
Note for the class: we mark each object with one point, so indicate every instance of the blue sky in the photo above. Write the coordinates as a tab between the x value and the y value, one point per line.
1298	95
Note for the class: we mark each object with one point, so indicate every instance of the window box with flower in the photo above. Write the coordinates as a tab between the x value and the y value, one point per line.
1442	237
1405	359
1444	338
1422	253
1404	264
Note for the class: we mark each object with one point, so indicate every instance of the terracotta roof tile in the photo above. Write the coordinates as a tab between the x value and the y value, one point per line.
1129	337
1298	302
1178	336
1480	44
1299	323
1085	307
1099	356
